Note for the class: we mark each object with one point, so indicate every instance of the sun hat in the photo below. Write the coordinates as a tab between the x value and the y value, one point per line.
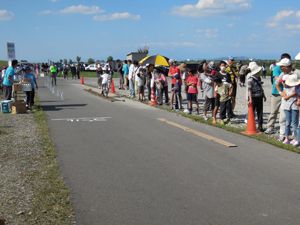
230	57
182	66
284	62
171	60
293	80
284	78
176	76
254	68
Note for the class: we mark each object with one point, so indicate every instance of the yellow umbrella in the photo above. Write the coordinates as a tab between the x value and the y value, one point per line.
156	60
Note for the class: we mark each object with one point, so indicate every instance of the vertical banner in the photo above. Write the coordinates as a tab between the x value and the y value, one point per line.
11	53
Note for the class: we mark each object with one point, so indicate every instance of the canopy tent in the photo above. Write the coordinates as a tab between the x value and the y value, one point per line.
298	56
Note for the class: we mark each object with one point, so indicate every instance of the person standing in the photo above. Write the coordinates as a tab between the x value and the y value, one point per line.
30	94
277	97
172	71
234	74
73	71
272	66
78	69
126	72
243	74
184	75
8	80
65	71
53	71
264	70
120	73
99	73
131	79
208	88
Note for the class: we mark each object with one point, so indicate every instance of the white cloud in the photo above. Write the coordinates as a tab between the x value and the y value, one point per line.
230	25
117	16
5	15
181	35
46	12
81	9
189	44
210	33
298	14
54	0
37	28
211	8
271	24
292	26
253	37
257	24
282	15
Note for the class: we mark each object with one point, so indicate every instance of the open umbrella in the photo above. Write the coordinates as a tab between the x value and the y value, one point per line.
156	60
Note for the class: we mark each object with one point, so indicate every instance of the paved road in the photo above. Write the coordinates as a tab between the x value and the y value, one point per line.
134	169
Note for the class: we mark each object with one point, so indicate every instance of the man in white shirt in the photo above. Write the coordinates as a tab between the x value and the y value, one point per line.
131	78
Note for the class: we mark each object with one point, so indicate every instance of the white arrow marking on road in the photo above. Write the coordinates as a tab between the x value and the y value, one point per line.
86	119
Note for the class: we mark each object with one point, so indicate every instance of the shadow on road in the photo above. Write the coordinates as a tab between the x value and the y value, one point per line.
60	107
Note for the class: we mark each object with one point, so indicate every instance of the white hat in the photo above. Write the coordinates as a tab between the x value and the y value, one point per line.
254	68
293	80
171	60
284	62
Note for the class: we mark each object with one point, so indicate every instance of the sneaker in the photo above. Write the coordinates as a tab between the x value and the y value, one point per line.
214	121
172	107
281	138
186	111
205	118
246	121
189	112
177	110
293	141
222	122
269	131
181	107
260	129
286	141
296	143
197	112
229	122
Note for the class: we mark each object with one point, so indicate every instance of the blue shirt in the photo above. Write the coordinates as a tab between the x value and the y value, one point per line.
32	77
126	69
177	91
276	72
10	71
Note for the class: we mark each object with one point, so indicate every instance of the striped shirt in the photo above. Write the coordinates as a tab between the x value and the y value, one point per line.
255	87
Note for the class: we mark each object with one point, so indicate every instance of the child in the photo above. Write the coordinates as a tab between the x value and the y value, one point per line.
256	93
224	89
30	94
192	91
208	88
291	110
177	91
105	78
141	82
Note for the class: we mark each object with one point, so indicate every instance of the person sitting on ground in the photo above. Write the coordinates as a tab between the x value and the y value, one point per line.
141	83
192	91
208	88
256	93
30	94
225	90
291	110
177	91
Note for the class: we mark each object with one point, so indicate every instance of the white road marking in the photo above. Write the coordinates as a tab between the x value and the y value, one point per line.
85	119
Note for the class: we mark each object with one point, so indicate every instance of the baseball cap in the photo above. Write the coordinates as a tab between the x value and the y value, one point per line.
230	57
142	69
176	76
284	62
171	60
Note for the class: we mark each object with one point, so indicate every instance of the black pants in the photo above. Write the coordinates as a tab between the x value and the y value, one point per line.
78	75
226	106
7	92
74	75
30	97
149	90
258	103
177	101
161	91
65	75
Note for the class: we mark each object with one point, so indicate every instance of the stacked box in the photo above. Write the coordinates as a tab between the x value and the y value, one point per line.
19	107
17	87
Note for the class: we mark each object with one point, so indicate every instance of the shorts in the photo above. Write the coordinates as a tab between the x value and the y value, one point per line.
192	97
234	90
141	89
217	100
209	102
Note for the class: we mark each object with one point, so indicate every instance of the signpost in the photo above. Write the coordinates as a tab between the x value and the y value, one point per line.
11	53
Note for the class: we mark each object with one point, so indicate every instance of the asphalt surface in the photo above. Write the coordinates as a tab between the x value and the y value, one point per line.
131	168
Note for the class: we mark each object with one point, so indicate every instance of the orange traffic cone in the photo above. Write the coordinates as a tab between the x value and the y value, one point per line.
153	101
82	81
112	90
36	75
251	126
199	84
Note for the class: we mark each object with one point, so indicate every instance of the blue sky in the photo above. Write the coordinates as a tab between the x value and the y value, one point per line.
190	29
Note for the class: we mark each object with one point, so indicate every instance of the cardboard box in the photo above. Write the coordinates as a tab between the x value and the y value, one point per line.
26	80
19	107
17	87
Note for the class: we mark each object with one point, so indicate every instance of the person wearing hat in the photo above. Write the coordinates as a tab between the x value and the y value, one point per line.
30	94
208	88
172	71
256	93
8	80
234	74
277	95
177	92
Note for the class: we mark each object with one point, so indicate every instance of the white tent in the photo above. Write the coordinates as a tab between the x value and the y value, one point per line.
298	56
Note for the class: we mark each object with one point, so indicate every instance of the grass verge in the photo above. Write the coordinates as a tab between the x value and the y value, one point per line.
51	201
